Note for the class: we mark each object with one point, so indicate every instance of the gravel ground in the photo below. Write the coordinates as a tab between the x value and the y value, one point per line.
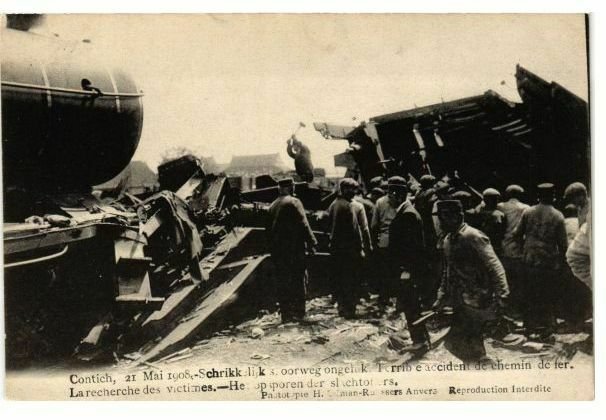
324	337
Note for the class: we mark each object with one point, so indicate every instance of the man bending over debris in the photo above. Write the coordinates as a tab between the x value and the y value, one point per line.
289	233
473	282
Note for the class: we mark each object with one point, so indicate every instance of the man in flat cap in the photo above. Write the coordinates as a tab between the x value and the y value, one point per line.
374	190
443	192
408	267
349	243
511	250
424	201
385	211
367	204
468	208
375	182
491	221
473	283
374	195
542	233
576	193
512	208
289	235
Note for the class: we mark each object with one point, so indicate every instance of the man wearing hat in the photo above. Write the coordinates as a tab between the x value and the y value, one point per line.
289	234
468	208
367	204
374	195
473	283
511	251
512	209
408	267
375	182
424	201
385	211
491	221
442	189
542	233
374	190
349	243
576	193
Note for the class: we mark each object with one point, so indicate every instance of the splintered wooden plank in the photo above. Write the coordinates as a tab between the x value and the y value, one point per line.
214	303
170	308
181	301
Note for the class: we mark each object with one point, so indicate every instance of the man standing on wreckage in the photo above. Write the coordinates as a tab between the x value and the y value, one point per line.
289	235
473	283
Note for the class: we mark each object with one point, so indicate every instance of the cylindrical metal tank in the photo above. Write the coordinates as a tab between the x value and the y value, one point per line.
68	120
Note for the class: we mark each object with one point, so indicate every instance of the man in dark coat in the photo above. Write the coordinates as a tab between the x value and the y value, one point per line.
385	211
473	283
349	243
302	156
408	263
491	220
289	235
424	201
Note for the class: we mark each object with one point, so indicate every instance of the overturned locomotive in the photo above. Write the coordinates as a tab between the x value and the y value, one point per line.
86	273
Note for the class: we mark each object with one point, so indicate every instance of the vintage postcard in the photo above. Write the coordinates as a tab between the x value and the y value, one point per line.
283	207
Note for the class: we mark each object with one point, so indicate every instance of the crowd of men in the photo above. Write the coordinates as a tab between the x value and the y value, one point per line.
432	248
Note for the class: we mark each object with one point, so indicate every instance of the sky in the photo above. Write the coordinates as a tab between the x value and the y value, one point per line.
224	85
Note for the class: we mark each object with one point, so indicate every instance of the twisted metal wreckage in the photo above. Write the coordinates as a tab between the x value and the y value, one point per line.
105	275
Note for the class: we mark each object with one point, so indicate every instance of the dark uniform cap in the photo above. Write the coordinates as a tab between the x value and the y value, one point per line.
491	192
449	205
378	191
286	182
461	195
514	189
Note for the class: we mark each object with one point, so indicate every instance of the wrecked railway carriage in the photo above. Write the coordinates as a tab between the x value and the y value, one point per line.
96	276
489	140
